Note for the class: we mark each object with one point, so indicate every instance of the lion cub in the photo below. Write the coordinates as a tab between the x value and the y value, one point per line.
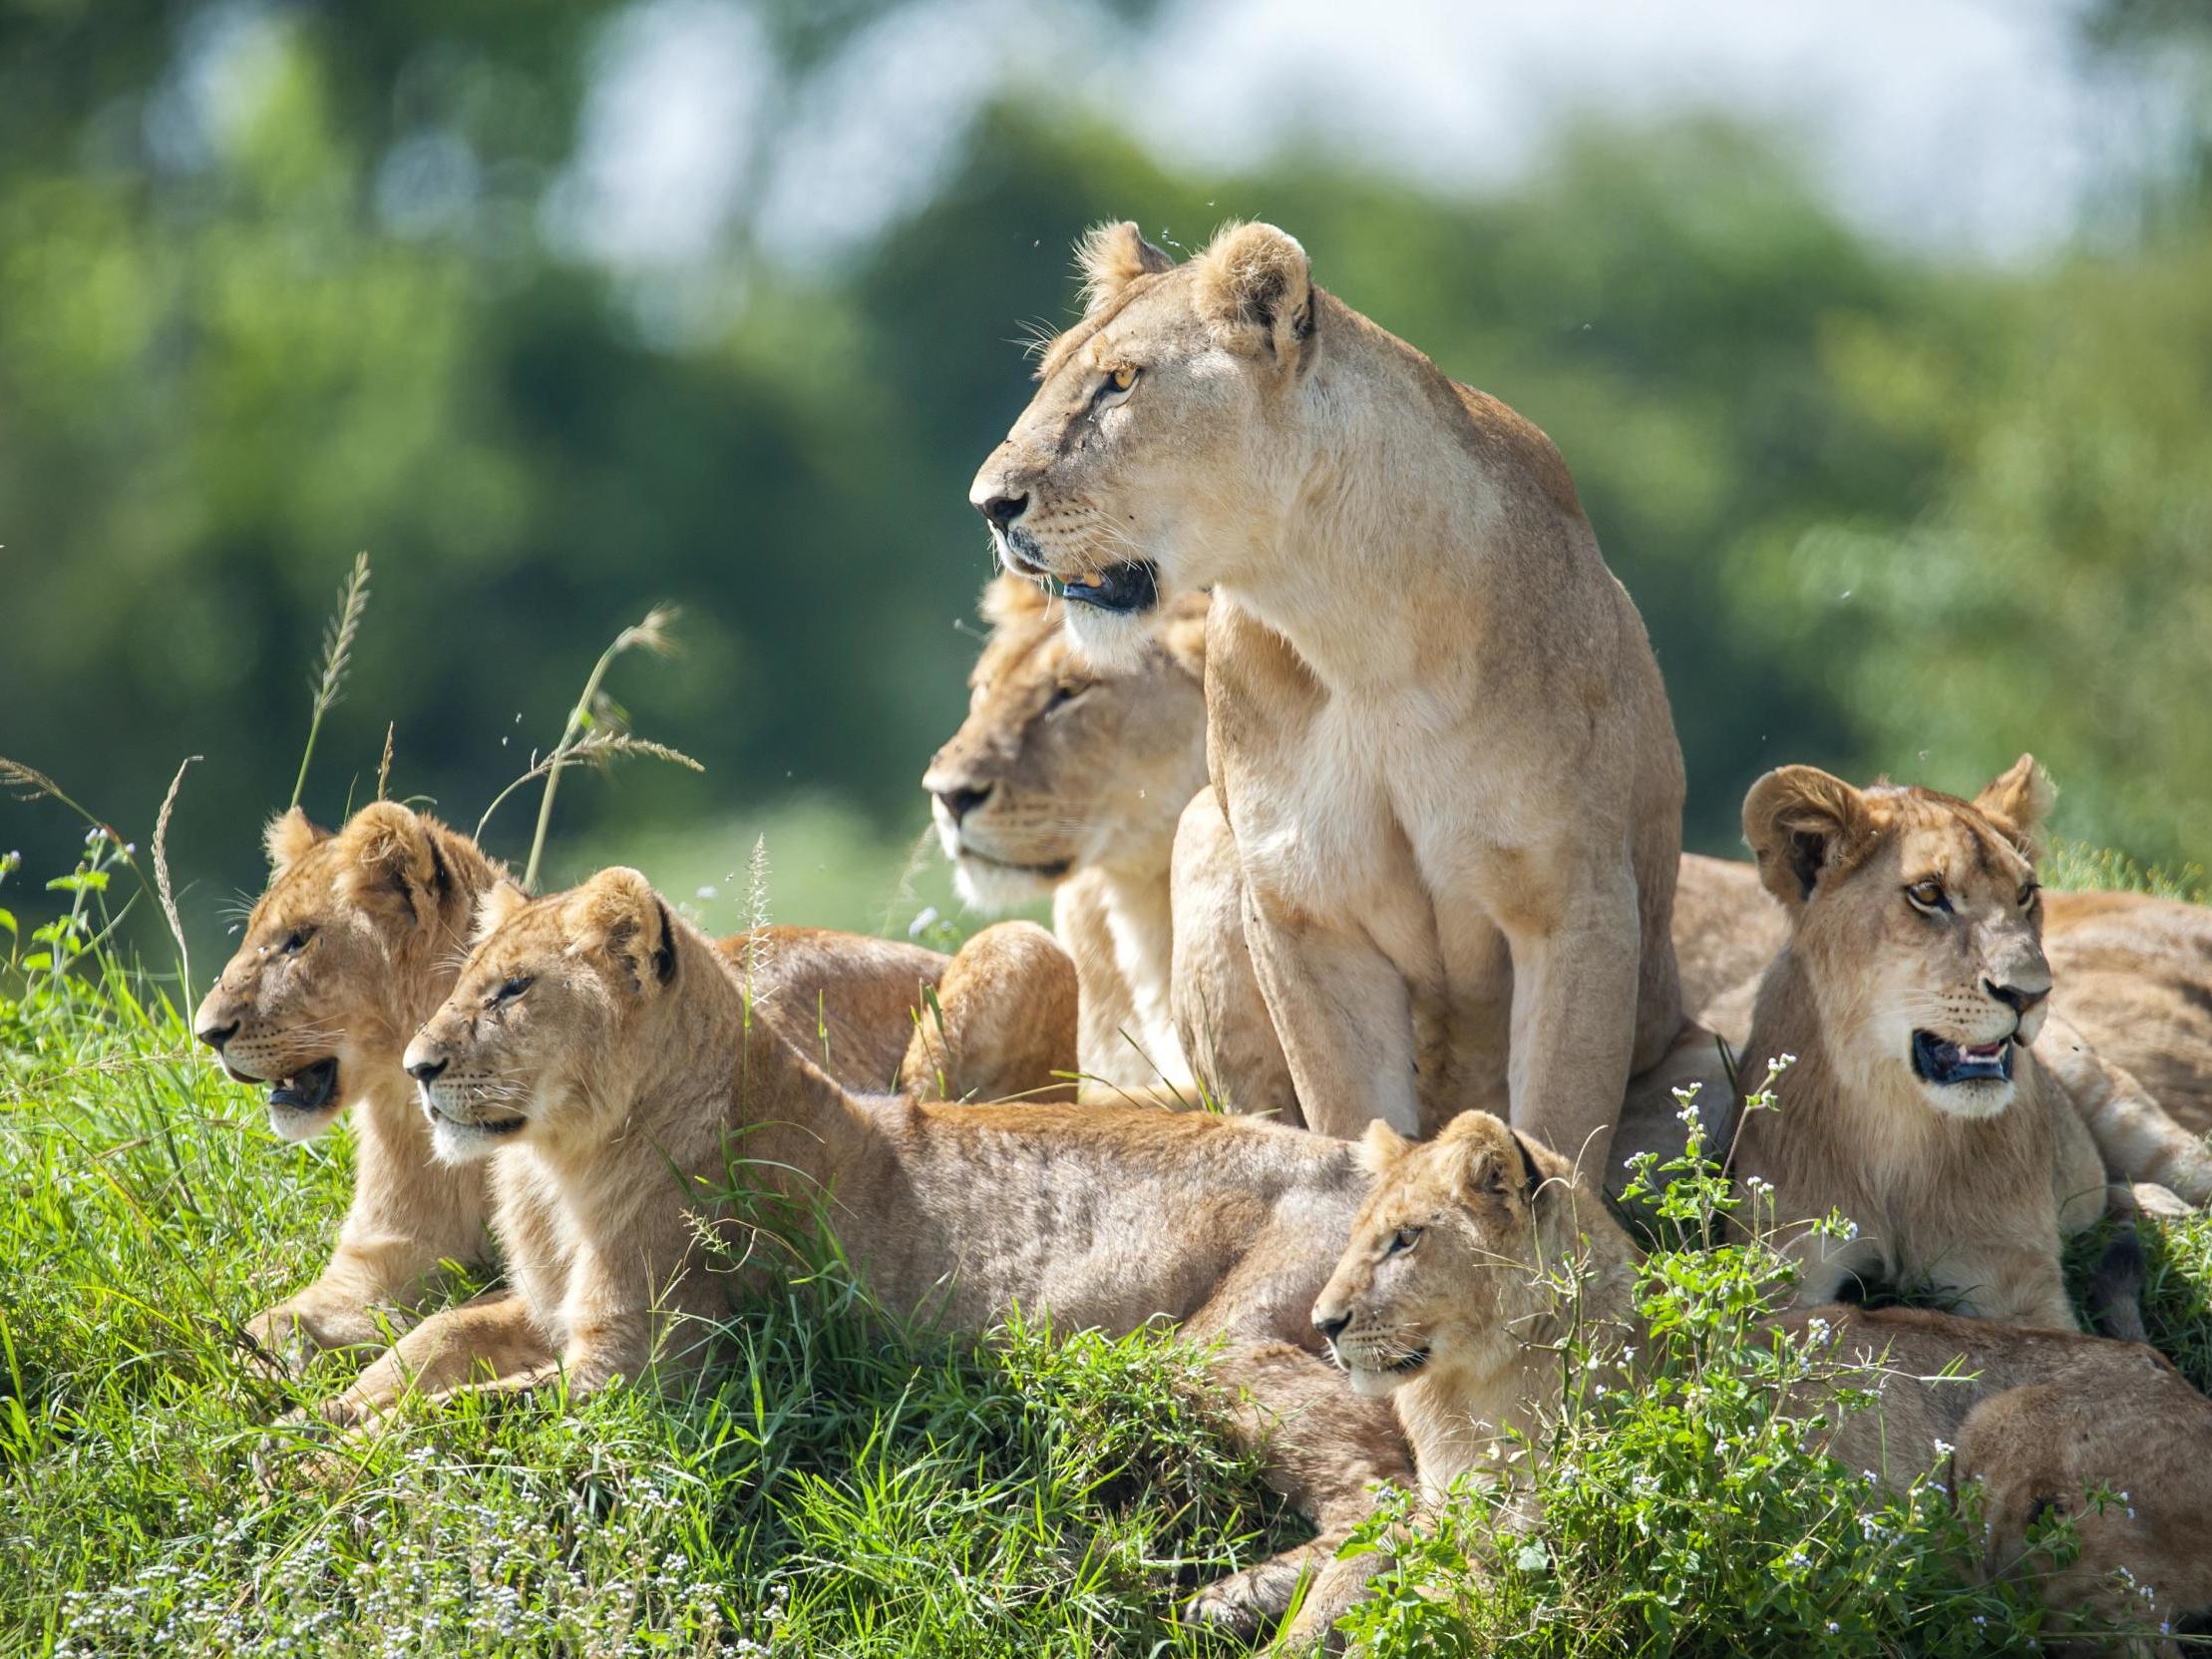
1477	1254
602	1049
1910	990
358	940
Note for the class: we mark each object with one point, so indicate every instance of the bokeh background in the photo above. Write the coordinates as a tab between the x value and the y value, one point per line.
1878	334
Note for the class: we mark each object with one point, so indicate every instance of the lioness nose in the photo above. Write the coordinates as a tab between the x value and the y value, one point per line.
217	1036
427	1071
963	800
1329	1327
1001	510
2017	998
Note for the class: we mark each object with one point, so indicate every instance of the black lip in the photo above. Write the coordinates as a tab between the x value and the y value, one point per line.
1410	1364
1052	872
1121	589
1021	555
310	1088
1943	1063
490	1126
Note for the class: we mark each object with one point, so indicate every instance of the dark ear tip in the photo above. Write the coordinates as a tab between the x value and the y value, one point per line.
664	956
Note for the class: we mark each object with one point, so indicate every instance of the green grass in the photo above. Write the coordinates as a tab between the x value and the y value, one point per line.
841	1487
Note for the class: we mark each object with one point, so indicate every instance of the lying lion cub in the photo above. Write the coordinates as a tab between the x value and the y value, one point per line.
1912	985
358	940
601	1048
1451	1301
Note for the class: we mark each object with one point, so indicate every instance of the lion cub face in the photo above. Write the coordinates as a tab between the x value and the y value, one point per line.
1062	764
307	1003
1440	1270
1918	922
541	1012
1152	446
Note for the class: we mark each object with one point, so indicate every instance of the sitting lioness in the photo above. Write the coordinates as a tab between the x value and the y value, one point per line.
1910	990
1477	1255
600	1046
1434	721
356	943
1066	779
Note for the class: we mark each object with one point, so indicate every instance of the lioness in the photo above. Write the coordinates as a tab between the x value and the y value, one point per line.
600	1046
1434	721
1478	1254
1066	778
357	941
1910	987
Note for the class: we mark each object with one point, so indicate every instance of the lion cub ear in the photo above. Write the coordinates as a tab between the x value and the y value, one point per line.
1256	292
1381	1147
497	908
290	838
1797	820
618	915
391	851
2018	801
1111	257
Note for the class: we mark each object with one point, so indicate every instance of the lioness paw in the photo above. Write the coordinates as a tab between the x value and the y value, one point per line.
1246	1603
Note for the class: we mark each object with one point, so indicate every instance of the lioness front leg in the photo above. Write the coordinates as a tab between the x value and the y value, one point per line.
1345	1017
1575	983
2136	1136
1325	1447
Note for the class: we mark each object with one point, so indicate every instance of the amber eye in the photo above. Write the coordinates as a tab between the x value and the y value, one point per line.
1123	377
1928	896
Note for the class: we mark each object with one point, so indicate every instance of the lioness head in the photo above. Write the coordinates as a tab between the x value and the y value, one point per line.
547	1013
1155	439
1450	1257
1062	764
1917	921
339	956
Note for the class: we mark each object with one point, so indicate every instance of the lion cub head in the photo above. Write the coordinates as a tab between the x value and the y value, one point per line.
1918	924
1155	439
1062	764
543	1028
352	943
1453	1263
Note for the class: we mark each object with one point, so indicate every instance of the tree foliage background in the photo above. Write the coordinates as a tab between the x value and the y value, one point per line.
282	281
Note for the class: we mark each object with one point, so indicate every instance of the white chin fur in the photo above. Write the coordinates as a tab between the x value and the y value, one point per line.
301	1125
992	888
1374	1385
1113	640
454	1143
1984	1098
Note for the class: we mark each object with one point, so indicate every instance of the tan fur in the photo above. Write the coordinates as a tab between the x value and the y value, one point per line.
1436	723
1077	773
600	1047
385	924
1961	1186
1496	1278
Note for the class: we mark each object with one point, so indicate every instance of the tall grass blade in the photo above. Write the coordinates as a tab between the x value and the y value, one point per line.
337	652
166	892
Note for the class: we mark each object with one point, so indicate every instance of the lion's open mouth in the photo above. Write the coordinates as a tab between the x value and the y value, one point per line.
310	1088
1118	588
1943	1063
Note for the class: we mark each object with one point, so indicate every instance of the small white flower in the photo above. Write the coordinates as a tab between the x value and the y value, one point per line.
1944	1449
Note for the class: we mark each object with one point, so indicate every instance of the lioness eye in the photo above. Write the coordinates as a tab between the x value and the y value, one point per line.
298	940
1065	694
1117	381
1928	896
2027	895
513	989
1404	1239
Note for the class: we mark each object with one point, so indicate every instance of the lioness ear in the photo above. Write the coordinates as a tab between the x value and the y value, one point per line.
495	909
1532	1177
393	851
618	913
1111	257
1381	1147
288	838
1797	820
1256	292
2018	802
1012	599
